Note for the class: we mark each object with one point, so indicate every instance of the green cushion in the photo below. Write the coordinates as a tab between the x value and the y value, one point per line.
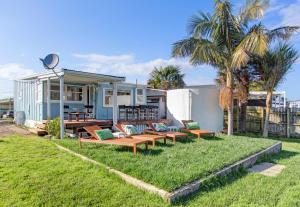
192	125
160	127
104	134
130	129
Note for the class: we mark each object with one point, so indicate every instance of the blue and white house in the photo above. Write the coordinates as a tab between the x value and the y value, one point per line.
39	96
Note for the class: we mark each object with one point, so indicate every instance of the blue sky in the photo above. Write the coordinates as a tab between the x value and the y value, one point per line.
127	37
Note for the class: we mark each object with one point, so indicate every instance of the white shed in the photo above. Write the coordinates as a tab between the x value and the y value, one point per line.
198	103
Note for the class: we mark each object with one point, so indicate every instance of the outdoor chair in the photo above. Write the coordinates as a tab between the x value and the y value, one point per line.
197	132
127	142
146	137
169	134
89	111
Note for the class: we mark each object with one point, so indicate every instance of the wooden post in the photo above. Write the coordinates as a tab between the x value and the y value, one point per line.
262	118
61	106
238	116
48	99
115	104
288	122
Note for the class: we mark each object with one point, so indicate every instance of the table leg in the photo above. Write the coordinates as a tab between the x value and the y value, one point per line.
134	150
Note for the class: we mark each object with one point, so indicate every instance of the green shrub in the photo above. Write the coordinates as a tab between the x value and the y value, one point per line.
53	127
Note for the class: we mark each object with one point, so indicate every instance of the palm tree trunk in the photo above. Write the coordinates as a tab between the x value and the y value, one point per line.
229	84
268	110
243	117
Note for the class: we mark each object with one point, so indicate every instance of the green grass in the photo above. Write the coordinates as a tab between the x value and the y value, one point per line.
33	172
252	189
170	166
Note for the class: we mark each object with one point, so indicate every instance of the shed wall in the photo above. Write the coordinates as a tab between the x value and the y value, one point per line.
200	104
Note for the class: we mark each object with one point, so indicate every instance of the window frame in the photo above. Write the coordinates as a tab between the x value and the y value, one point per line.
65	93
136	96
110	89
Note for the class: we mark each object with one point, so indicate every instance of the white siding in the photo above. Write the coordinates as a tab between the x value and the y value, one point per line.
200	104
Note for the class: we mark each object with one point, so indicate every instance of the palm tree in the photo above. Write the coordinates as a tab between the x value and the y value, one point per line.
226	42
272	68
168	77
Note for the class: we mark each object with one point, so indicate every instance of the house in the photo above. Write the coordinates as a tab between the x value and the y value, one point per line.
6	104
258	98
294	104
81	90
198	103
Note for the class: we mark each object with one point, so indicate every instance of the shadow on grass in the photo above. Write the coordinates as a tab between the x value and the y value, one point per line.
216	183
210	138
150	151
273	137
284	154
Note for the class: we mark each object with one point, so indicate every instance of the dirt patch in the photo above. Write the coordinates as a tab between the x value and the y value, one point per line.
7	129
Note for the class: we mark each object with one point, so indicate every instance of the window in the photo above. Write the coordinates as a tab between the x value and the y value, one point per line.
140	96
123	97
74	93
108	95
54	92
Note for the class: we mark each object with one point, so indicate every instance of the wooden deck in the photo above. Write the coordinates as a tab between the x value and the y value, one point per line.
81	123
88	122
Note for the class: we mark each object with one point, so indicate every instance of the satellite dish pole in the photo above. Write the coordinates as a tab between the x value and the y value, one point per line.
49	63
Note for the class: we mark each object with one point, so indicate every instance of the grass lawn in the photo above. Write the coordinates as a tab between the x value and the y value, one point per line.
170	166
33	172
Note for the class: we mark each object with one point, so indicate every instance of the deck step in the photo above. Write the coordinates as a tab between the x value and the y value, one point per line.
39	132
41	126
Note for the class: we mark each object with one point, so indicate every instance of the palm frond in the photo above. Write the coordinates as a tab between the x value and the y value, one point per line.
283	33
253	9
255	42
200	25
274	65
185	47
227	28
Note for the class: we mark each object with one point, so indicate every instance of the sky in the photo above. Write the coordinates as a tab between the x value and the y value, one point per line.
126	38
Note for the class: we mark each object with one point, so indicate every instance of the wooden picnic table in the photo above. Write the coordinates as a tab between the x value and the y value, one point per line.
77	114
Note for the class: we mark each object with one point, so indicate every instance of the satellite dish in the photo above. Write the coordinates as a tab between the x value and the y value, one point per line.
50	61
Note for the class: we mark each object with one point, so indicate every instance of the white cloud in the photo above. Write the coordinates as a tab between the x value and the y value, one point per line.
126	64
289	14
105	59
13	71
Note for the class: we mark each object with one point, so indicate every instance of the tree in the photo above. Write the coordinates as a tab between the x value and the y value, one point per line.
272	68
168	77
226	41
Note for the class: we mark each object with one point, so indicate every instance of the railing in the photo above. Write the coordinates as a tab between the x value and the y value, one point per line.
141	112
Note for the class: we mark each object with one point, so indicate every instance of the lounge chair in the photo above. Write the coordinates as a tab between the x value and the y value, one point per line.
169	134
146	137
128	142
197	132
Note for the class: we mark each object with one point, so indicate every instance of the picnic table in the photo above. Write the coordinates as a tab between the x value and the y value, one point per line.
77	115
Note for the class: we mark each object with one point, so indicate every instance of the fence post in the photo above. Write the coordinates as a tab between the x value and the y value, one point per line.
288	122
262	119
